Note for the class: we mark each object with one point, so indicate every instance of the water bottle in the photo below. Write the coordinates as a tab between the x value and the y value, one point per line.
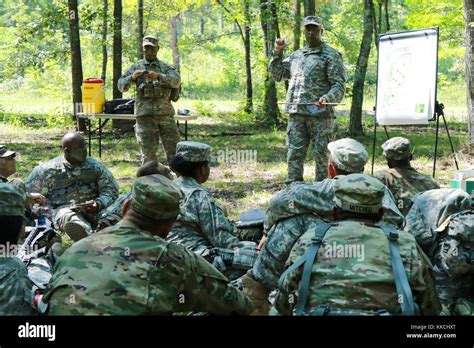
41	219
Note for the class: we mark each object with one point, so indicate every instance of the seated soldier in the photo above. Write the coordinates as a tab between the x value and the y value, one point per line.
130	269
73	179
293	211
201	224
402	179
356	266
16	296
113	213
442	222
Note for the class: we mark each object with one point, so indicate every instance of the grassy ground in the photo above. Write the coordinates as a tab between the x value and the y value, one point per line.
239	186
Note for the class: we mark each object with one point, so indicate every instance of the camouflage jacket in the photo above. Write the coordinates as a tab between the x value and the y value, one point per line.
360	277
16	296
313	73
60	182
405	183
126	271
153	97
201	223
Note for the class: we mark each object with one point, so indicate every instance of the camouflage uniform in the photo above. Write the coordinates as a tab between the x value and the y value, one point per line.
155	114
16	296
127	271
293	211
61	182
358	281
4	153
442	222
313	73
405	182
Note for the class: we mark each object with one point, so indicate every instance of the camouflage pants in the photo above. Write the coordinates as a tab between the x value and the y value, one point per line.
149	129
64	215
300	132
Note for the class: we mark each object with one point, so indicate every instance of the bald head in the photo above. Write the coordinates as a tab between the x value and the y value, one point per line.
74	147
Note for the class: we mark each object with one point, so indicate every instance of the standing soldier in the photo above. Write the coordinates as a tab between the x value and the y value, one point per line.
403	180
317	77
156	84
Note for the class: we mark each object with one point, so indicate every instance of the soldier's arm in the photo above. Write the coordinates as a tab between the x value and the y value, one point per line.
125	81
337	78
108	188
392	214
34	182
279	68
171	77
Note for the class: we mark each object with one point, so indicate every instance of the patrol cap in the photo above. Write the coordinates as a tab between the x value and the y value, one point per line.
348	154
397	148
313	20
358	193
150	40
156	197
192	151
4	152
12	200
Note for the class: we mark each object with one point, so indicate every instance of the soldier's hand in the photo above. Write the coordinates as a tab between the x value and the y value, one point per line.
321	102
136	74
37	198
280	45
152	75
91	207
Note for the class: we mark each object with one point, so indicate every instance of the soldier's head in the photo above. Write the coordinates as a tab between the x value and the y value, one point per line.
193	160
397	152
150	45
313	30
154	204
74	148
12	213
358	196
7	162
346	156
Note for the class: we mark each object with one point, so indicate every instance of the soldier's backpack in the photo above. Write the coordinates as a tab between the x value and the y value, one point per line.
407	306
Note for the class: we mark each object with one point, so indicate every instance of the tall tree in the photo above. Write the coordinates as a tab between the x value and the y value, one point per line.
140	30
271	30
174	41
104	40
76	61
309	8
387	18
355	123
297	26
469	19
117	55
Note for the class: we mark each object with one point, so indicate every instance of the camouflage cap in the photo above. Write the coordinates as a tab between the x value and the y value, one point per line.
358	193
192	151
4	152
156	197
12	200
397	148
348	154
150	40
313	20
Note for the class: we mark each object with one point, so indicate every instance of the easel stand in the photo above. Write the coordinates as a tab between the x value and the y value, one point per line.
438	114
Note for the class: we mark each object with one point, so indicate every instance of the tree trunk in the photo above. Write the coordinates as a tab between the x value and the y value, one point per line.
387	18
355	123
76	62
117	55
309	8
174	41
271	31
297	27
104	40
203	24
377	24
469	18
248	62
140	30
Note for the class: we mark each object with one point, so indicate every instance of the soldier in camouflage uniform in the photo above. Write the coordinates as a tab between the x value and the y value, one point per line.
317	76
78	178
298	208
202	224
402	179
16	297
351	273
129	268
154	81
442	222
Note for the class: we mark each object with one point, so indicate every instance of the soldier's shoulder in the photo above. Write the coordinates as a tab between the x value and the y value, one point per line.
95	163
331	50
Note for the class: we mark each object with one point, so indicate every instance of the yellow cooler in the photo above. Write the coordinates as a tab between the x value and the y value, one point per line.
93	96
